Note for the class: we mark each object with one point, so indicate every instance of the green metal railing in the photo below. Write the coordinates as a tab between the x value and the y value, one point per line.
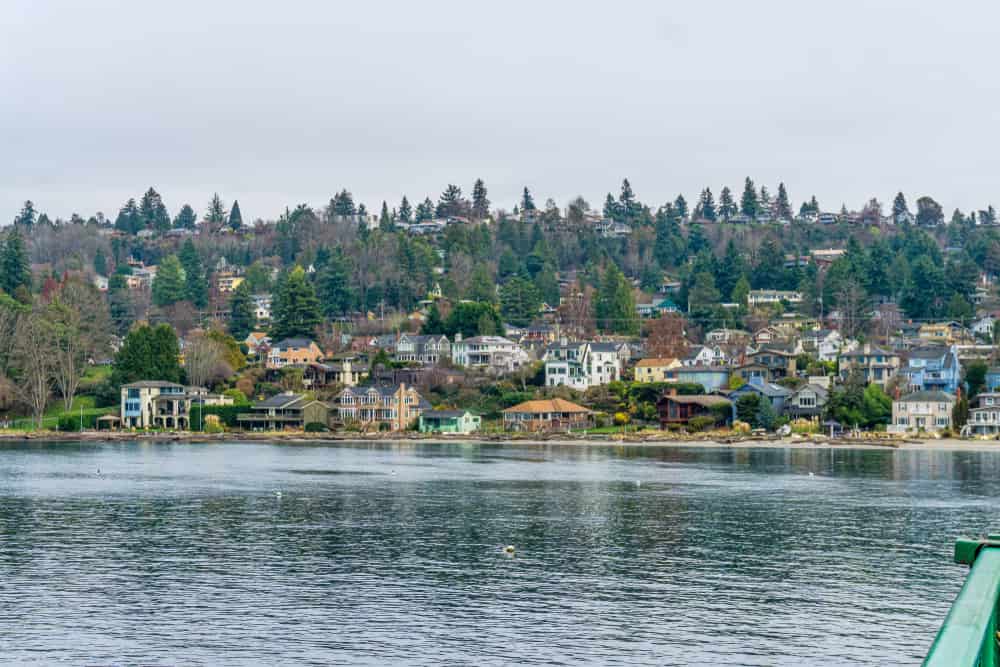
968	636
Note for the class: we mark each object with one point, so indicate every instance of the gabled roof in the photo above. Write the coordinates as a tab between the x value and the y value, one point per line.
933	396
151	384
293	342
447	414
655	362
704	400
281	401
768	389
547	405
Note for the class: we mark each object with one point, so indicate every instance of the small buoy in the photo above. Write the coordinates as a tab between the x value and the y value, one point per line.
509	550
277	494
393	473
638	482
812	474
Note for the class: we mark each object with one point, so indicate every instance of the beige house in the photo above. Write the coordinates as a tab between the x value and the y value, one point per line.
927	411
655	369
875	364
153	404
397	408
293	351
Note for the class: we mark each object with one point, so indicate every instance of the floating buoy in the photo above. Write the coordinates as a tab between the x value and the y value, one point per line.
812	474
509	550
277	494
638	482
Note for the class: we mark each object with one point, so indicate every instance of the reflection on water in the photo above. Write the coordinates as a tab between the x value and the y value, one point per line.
380	554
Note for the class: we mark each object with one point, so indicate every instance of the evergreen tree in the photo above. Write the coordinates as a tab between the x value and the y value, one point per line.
168	285
296	310
152	212
481	286
242	313
670	247
703	299
129	220
764	200
783	208
26	217
333	285
384	221
627	204
480	204
612	209
706	205
15	269
519	301
100	262
195	281
741	291
681	206
425	210
899	208
615	305
342	205
527	201
730	269
727	207
433	325
215	216
405	211
810	207
748	204
235	217
147	353
471	318
929	212
186	218
450	202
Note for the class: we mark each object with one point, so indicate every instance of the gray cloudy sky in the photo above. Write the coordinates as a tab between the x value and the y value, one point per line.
277	103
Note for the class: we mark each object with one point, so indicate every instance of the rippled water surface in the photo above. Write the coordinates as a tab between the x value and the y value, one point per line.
241	554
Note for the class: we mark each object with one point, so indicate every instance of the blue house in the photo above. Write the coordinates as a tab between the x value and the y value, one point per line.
993	379
774	393
933	369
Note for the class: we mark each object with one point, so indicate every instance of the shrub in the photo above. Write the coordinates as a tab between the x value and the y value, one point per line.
701	422
316	427
621	418
225	413
70	421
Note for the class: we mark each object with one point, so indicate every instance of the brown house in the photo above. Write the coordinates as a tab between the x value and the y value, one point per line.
546	415
675	408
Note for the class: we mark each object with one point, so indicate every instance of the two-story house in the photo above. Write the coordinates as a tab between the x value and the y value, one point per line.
706	355
581	365
428	350
382	407
807	401
927	411
154	404
285	411
984	418
775	394
655	369
293	351
493	354
262	307
826	344
931	368
875	364
768	364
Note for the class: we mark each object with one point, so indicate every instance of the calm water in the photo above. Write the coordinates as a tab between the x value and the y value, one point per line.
186	554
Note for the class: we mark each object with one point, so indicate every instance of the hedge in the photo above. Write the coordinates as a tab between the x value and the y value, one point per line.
70	421
225	413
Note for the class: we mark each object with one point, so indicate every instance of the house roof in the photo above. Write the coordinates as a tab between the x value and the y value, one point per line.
768	389
819	390
447	414
487	340
704	400
655	362
934	396
285	400
547	405
151	384
293	342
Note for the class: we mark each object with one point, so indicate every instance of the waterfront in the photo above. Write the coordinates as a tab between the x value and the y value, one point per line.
375	553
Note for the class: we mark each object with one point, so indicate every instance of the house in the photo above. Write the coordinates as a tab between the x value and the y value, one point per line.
293	351
154	404
656	308
141	277
654	369
706	355
767	297
807	401
449	421
256	340
384	407
422	349
775	394
101	283
930	368
675	408
712	378
767	335
824	257
227	280
285	411
727	337
825	344
875	364
984	418
491	353
947	333
769	364
610	229
928	411
554	414
262	307
581	365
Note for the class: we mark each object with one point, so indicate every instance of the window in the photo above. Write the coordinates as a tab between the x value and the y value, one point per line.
942	421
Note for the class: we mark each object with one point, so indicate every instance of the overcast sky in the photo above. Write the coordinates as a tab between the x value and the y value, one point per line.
278	103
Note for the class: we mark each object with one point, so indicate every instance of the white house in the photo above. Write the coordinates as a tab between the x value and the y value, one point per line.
706	355
761	297
491	353
262	307
983	326
582	365
423	349
826	343
984	419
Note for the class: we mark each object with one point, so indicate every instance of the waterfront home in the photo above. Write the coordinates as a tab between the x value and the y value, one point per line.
293	351
386	408
875	364
931	368
807	401
984	418
768	364
947	333
581	364
154	404
493	354
768	297
422	349
554	414
449	421
775	394
285	411
927	411
711	378
655	369
674	408
228	279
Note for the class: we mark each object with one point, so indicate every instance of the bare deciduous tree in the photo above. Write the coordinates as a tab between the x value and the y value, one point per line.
34	358
79	325
205	361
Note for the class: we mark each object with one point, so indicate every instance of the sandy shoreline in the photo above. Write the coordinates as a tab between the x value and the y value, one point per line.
583	441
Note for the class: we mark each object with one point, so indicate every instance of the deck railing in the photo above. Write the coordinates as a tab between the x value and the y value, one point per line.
968	636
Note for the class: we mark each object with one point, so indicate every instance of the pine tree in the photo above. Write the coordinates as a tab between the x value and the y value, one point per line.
15	270
215	216
727	208
235	217
450	202
129	220
195	282
706	205
384	221
681	206
100	262
425	210
342	205
627	205
783	207
433	325
615	305
810	207
26	217
899	208
333	285
405	211
152	212
168	285
186	218
748	204
527	201
147	353
296	310
242	314
480	204
481	286
519	301
612	209
764	201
